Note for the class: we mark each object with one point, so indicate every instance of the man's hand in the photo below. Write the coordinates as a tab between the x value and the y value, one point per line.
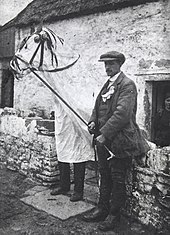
91	128
101	139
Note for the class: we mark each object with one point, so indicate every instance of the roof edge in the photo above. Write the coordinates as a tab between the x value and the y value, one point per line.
81	12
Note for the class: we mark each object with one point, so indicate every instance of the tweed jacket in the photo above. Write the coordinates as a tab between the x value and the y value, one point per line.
119	127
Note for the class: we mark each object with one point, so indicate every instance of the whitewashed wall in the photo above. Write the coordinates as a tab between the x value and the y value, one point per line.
142	33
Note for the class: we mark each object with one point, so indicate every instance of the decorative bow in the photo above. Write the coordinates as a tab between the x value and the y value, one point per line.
108	94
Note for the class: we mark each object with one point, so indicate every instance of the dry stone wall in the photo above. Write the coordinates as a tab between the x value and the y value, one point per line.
28	146
150	199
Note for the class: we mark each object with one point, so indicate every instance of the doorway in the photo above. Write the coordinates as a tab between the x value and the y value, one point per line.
159	90
7	89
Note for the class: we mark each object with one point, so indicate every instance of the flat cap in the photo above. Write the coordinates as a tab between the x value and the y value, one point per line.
112	55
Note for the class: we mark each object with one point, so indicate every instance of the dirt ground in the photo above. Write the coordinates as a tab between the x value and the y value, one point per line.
17	218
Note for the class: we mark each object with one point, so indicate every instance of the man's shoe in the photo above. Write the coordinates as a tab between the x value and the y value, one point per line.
58	191
110	223
97	215
75	197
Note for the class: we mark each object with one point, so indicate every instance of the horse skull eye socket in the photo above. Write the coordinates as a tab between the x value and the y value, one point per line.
37	39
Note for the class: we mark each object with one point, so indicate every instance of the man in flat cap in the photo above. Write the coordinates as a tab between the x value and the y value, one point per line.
113	122
162	123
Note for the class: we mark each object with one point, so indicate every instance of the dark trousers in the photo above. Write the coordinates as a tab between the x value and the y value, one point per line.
112	186
79	175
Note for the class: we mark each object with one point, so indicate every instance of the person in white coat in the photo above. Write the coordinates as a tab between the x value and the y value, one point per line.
73	146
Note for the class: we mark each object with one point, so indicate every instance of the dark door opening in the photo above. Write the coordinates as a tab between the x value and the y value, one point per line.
160	90
7	88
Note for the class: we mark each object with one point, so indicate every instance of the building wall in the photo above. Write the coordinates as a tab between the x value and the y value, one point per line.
141	33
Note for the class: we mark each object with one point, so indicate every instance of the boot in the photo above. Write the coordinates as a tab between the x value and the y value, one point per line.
75	197
110	223
58	191
98	214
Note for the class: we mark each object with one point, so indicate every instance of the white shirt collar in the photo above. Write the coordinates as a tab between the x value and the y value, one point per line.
113	79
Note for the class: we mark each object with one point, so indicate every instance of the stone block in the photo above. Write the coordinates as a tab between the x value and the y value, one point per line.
2	152
48	143
34	164
145	179
38	146
51	169
25	166
50	173
48	125
162	63
48	179
163	183
164	178
158	160
145	64
50	162
12	167
13	125
28	120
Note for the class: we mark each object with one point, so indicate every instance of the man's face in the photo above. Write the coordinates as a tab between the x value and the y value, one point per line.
112	67
167	104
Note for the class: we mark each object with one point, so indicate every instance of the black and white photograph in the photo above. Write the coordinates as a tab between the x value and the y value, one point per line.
84	117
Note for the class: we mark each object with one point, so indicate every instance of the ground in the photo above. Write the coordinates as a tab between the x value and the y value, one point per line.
18	218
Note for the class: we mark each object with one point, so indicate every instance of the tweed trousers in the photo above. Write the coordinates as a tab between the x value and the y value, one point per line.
112	185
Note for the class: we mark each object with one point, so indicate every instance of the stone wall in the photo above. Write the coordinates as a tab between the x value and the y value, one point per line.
28	146
150	200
